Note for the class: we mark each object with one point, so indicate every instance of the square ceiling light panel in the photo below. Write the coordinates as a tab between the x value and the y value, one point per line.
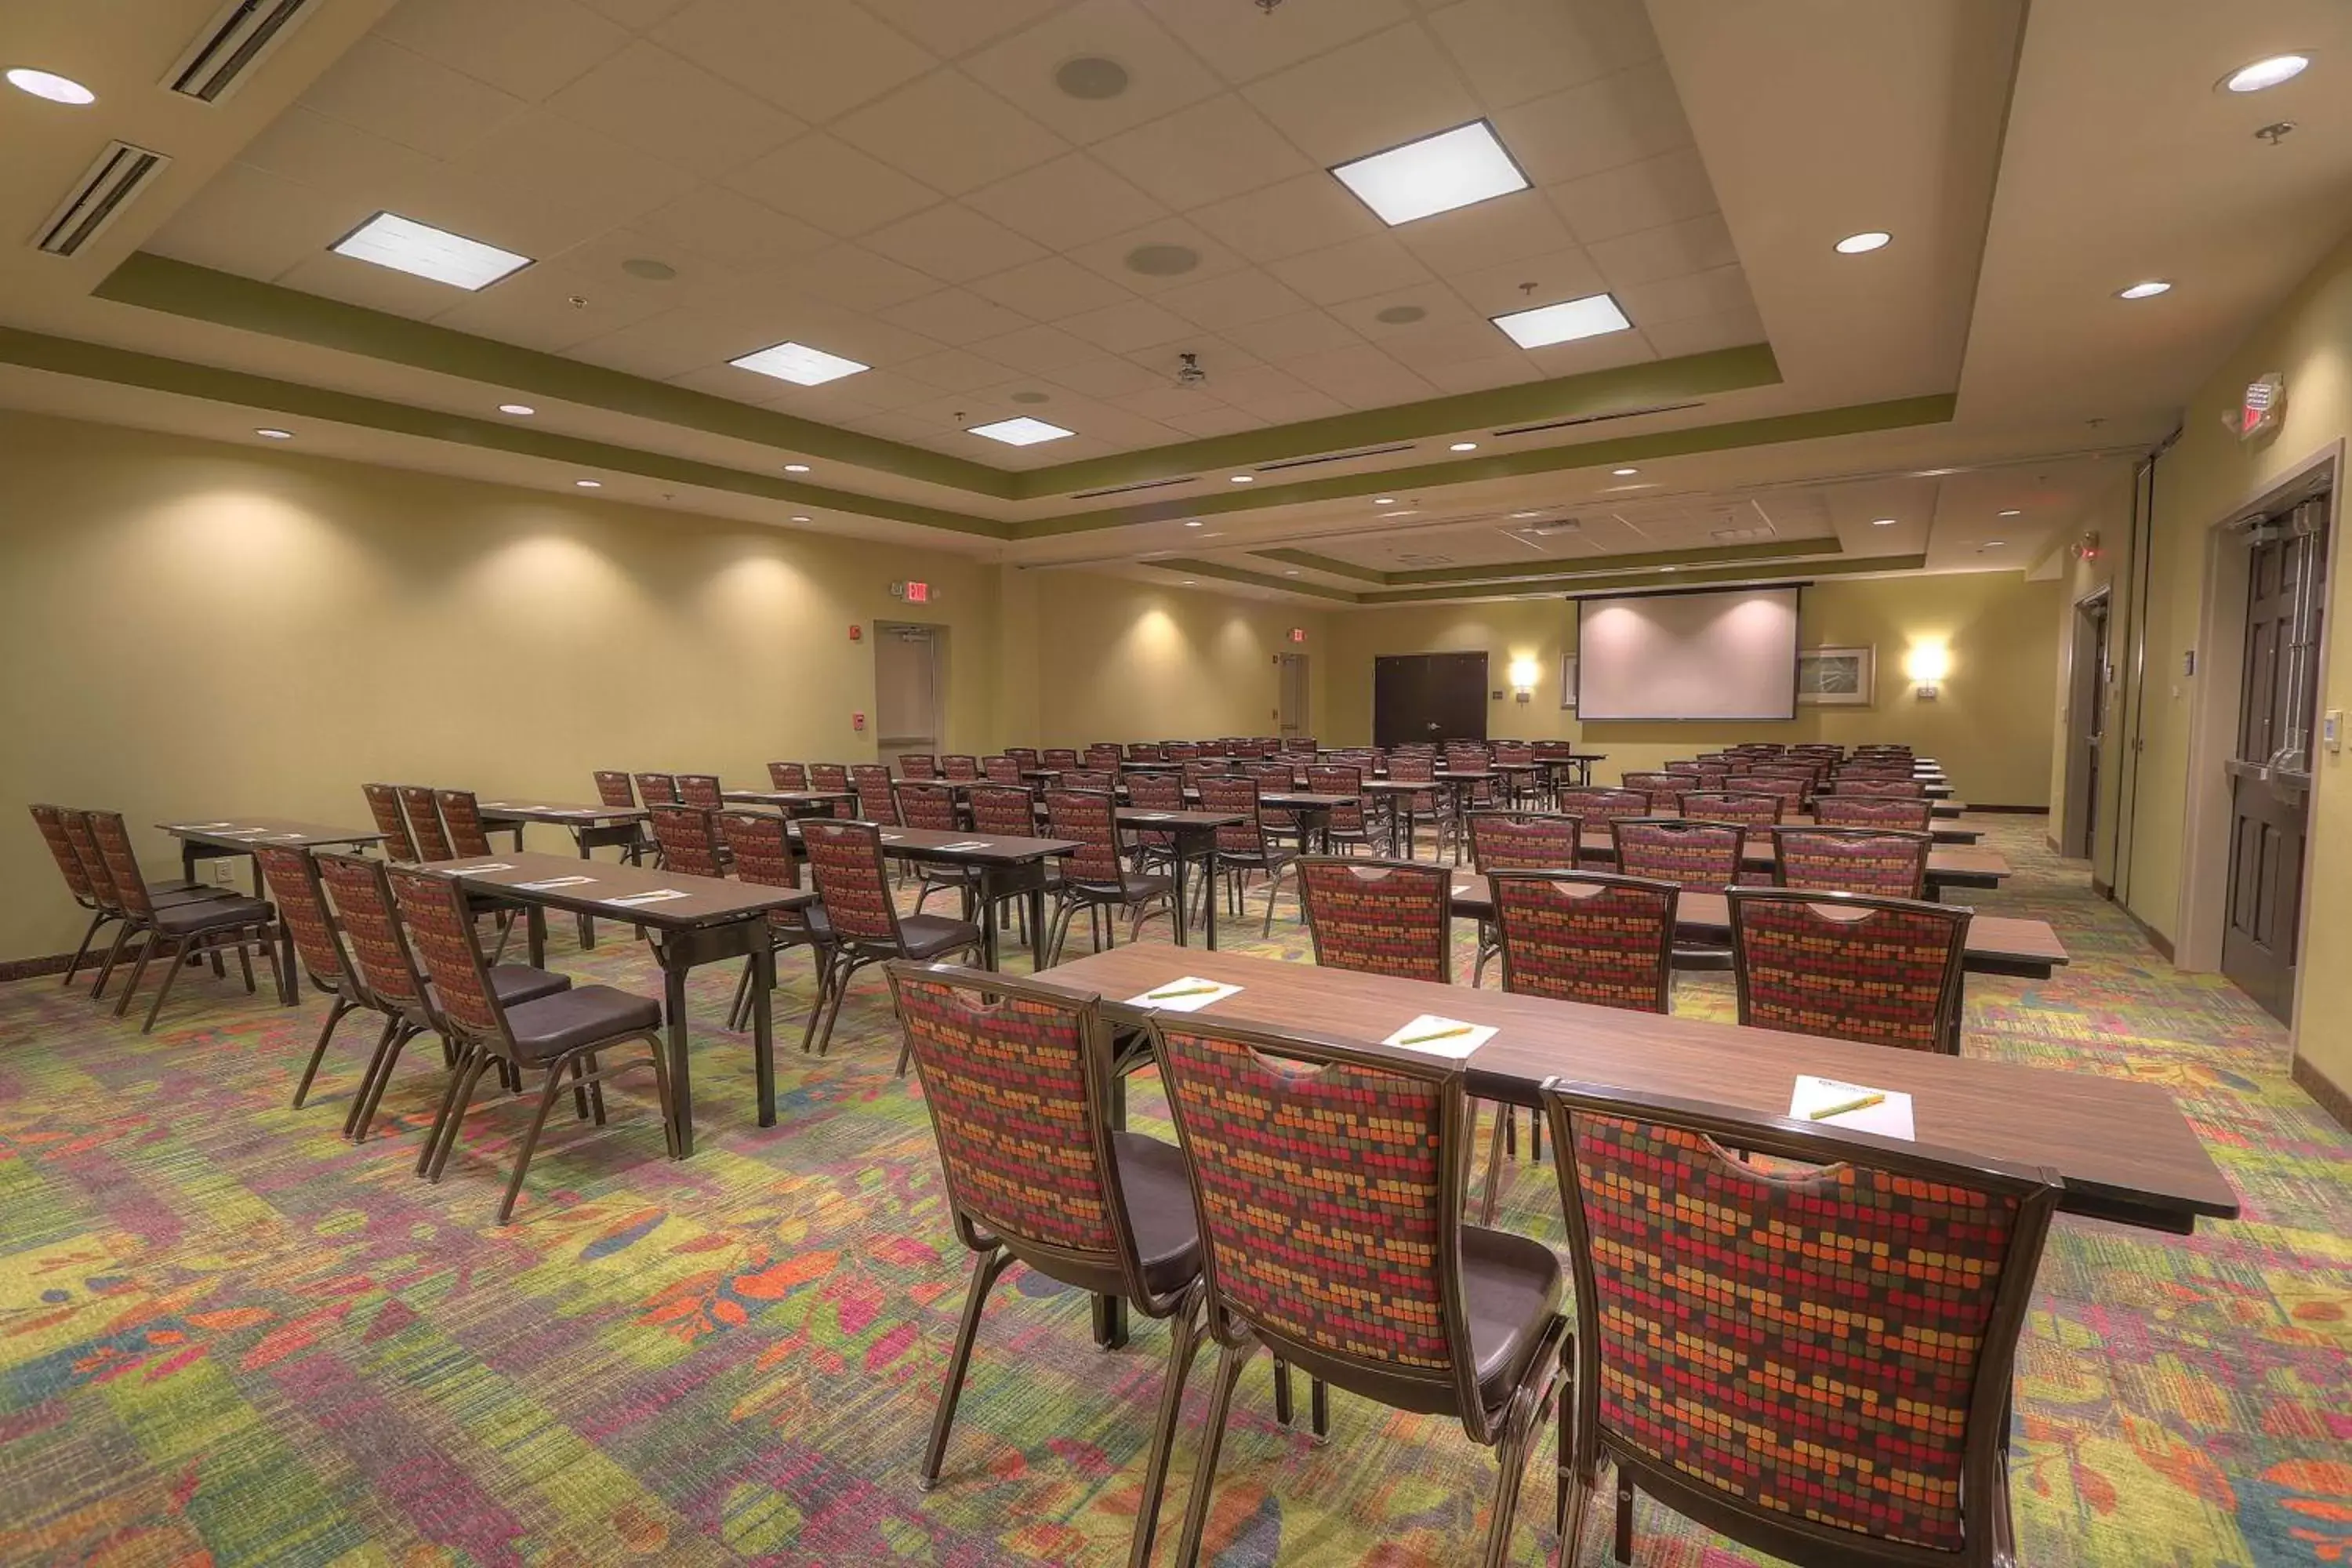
799	363
404	245
1454	168
1591	317
1022	431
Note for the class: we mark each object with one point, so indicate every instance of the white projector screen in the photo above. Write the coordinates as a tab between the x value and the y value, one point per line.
1727	653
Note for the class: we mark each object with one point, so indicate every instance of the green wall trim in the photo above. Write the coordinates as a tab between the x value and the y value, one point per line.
1767	550
1850	567
126	367
1811	426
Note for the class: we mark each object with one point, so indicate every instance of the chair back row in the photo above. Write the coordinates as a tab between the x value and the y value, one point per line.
420	823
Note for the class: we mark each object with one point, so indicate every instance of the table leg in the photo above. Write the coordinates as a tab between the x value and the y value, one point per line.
1404	804
681	1087
587	922
289	978
988	939
187	860
1037	924
1209	927
1183	912
763	1029
535	934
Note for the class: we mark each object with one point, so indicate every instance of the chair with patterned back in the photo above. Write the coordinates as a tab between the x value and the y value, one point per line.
931	807
1095	878
1718	759
834	778
1883	971
383	807
1180	752
760	848
688	837
292	878
1026	757
918	765
1380	916
1597	805
424	824
876	803
1003	810
788	775
1412	766
1525	840
185	929
1875	811
1150	791
1064	757
1879	789
702	790
613	790
1883	862
1327	1182
1243	848
1004	769
1828	1380
1742	807
1354	823
1664	790
1698	857
657	789
87	890
461	815
958	768
1277	778
562	1034
1089	778
1789	792
846	860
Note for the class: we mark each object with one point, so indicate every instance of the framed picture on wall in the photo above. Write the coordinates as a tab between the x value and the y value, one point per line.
1568	683
1836	676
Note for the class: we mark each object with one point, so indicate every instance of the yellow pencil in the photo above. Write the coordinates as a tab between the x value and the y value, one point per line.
1440	1035
1861	1102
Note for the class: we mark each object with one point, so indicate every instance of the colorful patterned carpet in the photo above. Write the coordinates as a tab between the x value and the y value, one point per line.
227	1336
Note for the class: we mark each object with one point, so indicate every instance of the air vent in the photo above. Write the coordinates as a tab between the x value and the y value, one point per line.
1596	418
1424	560
120	174
1130	489
1553	530
1735	535
238	39
1333	458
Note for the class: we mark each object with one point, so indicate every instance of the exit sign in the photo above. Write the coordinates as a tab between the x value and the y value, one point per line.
913	593
1299	634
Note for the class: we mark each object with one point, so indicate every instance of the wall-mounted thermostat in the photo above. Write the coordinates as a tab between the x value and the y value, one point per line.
2188	662
2331	730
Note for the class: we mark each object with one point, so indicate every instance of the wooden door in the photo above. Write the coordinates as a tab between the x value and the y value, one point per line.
2087	724
2270	775
1428	697
1292	716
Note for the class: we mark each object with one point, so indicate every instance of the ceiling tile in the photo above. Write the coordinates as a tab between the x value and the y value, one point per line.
1493	232
698	278
1620	119
833	185
534	309
1360	377
1052	290
954	243
956	26
1127	326
340	160
879	390
1291	409
1105	377
1109	256
678	341
1253	386
1308	211
650	99
1163	75
363	283
1241	43
954	370
558	184
1235	299
1589	354
1673	250
1654	192
255	224
1287	337
1512	50
528	48
732	229
857	278
1205	153
1205	422
1703	334
955	316
1036	349
403	96
1566	274
1373	94
816	58
949	132
867	338
1426	347
1375	265
1709	293
1434	305
1165	402
1483	374
1066	203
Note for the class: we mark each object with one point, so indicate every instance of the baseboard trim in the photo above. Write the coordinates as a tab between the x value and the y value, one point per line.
2331	1095
2103	889
27	968
2150	935
1977	805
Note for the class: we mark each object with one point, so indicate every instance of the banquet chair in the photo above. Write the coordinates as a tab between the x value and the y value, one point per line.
702	790
86	888
182	929
1096	879
1885	971
425	829
1884	862
385	809
846	860
1916	816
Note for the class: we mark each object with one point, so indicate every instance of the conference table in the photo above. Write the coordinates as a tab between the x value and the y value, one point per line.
1193	836
2123	1149
1007	867
592	827
694	921
792	802
217	837
1948	865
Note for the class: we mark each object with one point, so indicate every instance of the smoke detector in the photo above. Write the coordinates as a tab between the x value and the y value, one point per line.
1189	372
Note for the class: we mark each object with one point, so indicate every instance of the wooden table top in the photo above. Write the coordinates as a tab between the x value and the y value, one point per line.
243	832
556	811
1143	816
1975	861
2124	1148
788	796
975	848
592	888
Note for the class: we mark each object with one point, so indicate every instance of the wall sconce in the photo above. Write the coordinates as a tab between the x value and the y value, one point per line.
1926	665
1523	678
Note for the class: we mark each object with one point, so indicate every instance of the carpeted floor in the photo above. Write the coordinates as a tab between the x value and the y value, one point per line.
227	1336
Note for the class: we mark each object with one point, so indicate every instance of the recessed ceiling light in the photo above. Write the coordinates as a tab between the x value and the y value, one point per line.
1162	260
1624	473
1993	544
404	245
1590	317
1864	243
590	484
1882	522
520	410
1244	479
274	434
650	269
49	85
2254	78
796	468
1437	173
1022	431
1032	398
1291	571
1401	315
798	518
2148	290
1385	500
1193	523
1666	568
1464	447
1523	515
2014	511
799	363
1190	583
1091	76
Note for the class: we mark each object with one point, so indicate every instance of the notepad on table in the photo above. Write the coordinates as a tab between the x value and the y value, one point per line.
202	827
1833	1102
1188	995
552	882
488	866
658	896
1442	1036
966	843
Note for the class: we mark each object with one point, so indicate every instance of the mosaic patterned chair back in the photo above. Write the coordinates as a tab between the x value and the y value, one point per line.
657	789
1663	791
1274	778
1408	767
1882	789
373	939
383	807
1883	862
1804	771
1509	753
76	825
1003	770
1747	809
1381	917
441	935
1885	971
293	882
828	776
1791	793
1025	756
1525	840
425	826
1005	1079
1299	745
846	859
1086	815
1065	757
1718	759
787	776
123	874
1154	792
930	806
1339	778
1553	751
1003	811
462	815
1586	937
1700	856
1246	837
1836	1355
51	821
1179	751
1604	804
959	767
918	765
702	790
1321	1179
689	841
614	789
1869	811
762	849
876	803
1093	778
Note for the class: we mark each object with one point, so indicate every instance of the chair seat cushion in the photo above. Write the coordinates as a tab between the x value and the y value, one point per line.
519	983
583	1015
1511	1287
1130	889
927	936
210	914
1159	1211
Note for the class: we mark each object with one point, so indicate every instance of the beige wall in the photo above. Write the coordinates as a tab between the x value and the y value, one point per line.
1988	726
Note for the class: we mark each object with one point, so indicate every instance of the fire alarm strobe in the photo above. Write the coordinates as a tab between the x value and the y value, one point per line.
856	632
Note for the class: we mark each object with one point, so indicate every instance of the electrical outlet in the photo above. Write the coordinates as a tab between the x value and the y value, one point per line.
2332	730
222	869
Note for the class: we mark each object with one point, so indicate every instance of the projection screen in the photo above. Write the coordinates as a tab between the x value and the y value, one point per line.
1728	653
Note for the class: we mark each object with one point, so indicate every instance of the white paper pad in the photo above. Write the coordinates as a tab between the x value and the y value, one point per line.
1202	994
202	827
658	896
892	838
487	866
966	843
555	882
1155	816
487	804
1413	1037
1890	1118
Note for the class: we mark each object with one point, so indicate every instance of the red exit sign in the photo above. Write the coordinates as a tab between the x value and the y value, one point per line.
912	592
1299	634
